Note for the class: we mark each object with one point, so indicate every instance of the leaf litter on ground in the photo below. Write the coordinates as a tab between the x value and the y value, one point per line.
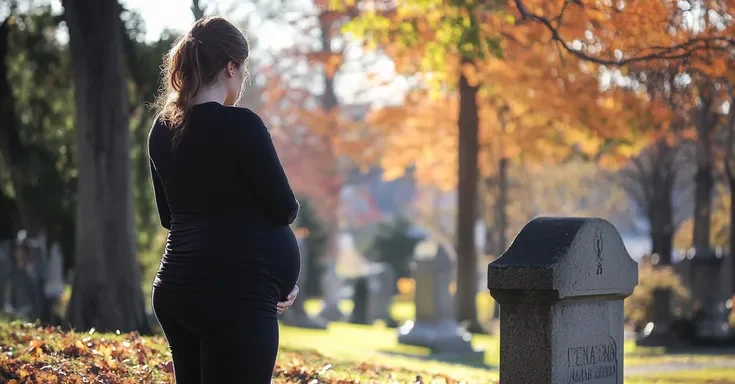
45	355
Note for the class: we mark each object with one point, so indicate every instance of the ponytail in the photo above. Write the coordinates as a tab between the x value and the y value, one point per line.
194	62
184	79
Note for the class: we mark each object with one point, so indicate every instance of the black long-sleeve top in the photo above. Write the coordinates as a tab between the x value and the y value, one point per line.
225	198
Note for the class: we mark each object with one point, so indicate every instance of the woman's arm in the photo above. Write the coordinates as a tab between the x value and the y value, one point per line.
258	158
161	202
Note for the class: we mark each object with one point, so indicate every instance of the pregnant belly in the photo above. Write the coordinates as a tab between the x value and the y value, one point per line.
234	257
285	260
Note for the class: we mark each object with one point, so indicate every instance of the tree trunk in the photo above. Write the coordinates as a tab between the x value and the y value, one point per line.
197	9
704	179
731	184
501	206
650	182
704	184
730	174
106	292
467	205
14	155
501	217
488	201
661	217
329	102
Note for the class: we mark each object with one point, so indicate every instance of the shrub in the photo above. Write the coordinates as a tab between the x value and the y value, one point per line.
639	306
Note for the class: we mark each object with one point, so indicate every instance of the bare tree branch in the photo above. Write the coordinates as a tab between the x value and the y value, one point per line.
674	52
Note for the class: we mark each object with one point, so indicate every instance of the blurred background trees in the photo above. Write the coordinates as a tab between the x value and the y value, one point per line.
391	119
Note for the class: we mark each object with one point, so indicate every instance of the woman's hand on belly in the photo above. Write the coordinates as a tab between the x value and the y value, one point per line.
284	305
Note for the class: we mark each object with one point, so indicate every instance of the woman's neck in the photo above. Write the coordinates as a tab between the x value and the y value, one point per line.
209	94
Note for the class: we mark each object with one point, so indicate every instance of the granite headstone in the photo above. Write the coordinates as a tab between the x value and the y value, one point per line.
331	286
381	287
6	265
435	326
561	287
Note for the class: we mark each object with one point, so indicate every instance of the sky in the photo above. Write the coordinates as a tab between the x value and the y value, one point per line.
159	14
176	14
351	86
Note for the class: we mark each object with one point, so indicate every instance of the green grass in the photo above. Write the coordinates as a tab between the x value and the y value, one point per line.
383	339
405	310
30	354
701	376
342	354
367	343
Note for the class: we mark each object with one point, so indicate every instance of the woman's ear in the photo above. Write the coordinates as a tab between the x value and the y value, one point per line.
231	67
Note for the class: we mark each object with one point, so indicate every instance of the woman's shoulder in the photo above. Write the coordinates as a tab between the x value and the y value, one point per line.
158	127
245	121
243	115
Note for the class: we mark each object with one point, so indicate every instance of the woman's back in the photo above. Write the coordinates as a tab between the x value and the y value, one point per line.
223	195
231	260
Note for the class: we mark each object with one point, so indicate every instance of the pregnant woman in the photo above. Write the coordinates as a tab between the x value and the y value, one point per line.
231	260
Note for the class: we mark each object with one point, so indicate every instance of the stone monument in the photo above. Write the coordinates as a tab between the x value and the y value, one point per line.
6	265
561	287
435	326
331	286
53	287
710	321
360	300
658	332
373	295
382	288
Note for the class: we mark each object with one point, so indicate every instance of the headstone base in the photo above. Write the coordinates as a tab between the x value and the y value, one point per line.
443	339
296	316
331	312
659	332
303	321
657	335
712	325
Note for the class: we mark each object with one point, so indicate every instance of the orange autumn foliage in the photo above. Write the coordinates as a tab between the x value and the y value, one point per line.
537	101
313	131
618	32
533	107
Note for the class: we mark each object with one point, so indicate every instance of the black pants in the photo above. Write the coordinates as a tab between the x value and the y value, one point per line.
215	340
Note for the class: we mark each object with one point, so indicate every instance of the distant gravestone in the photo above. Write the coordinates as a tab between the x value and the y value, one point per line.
360	299
435	327
381	288
54	284
53	287
331	286
711	321
26	274
373	295
561	287
658	332
296	316
6	264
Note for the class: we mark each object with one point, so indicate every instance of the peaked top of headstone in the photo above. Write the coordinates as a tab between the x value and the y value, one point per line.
426	249
572	257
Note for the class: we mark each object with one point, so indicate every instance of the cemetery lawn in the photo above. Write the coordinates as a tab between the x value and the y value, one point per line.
364	339
343	354
702	376
31	354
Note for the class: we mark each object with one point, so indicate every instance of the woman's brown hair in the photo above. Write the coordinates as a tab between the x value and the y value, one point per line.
194	61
